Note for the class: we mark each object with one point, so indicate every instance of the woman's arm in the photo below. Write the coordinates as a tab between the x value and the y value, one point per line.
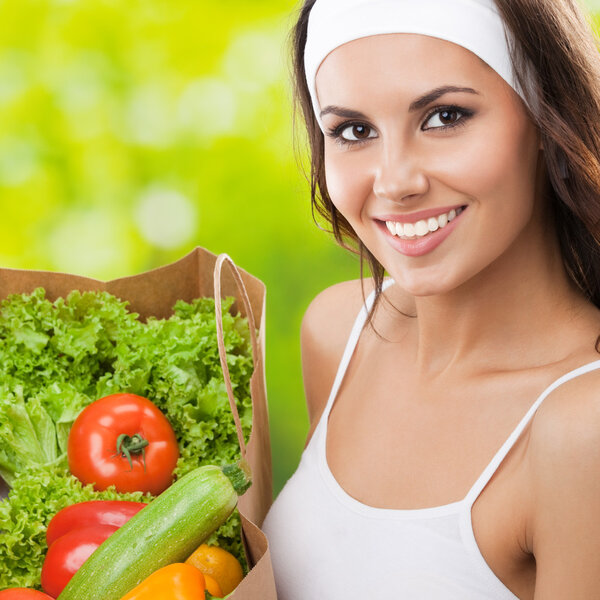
565	467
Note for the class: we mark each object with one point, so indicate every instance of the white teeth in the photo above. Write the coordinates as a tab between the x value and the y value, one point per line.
409	230
424	226
421	228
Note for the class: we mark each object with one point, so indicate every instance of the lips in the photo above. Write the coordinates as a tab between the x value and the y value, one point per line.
419	241
419	215
422	227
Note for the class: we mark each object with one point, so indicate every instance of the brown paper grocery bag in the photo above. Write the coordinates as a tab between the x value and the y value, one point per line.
154	293
259	582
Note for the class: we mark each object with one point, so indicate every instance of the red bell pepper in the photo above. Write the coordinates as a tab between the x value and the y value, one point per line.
23	594
68	553
89	514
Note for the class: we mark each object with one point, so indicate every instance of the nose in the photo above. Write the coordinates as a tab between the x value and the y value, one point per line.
400	175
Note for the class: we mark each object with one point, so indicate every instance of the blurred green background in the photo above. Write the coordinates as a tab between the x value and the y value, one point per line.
132	131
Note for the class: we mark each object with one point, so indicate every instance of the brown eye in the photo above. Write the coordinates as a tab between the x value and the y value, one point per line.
360	131
357	132
445	117
448	116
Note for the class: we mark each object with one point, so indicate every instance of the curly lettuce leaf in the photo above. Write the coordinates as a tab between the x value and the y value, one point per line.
20	444
71	340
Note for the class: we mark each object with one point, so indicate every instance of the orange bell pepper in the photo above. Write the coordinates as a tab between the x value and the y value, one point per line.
173	582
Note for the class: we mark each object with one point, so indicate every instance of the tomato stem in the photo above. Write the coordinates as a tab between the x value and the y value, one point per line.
134	444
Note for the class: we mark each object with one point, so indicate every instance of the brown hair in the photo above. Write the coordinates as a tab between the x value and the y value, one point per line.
555	38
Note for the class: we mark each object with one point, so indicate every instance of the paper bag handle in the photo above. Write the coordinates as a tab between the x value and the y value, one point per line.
221	259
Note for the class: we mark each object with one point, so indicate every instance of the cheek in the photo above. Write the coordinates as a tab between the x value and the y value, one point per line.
506	176
497	163
495	169
480	161
349	181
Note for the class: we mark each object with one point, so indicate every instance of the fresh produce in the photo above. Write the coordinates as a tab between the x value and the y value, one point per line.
166	531
28	435
52	357
23	594
212	587
66	555
36	496
177	581
125	441
87	514
218	563
58	357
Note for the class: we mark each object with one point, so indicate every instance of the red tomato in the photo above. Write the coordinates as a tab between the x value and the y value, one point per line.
123	440
23	594
87	514
68	553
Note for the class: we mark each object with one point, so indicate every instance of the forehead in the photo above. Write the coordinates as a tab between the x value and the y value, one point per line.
401	62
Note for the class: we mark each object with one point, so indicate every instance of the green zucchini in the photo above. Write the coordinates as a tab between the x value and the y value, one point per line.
168	530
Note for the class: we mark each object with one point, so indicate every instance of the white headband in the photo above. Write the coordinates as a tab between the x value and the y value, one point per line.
474	24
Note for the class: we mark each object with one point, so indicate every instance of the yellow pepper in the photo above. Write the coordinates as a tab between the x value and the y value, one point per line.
212	587
217	563
173	582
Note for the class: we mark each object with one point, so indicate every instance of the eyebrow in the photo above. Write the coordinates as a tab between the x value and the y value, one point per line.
417	104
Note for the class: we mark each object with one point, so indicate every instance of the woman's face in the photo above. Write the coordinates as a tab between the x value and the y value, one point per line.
438	184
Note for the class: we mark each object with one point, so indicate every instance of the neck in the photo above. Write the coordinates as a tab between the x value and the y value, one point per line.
506	317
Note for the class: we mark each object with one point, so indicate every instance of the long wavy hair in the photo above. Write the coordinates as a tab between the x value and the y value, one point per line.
554	37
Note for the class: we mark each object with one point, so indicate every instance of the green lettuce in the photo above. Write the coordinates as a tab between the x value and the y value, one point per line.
58	357
34	431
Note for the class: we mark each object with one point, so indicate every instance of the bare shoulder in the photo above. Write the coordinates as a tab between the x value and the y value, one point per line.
564	451
568	420
325	329
334	310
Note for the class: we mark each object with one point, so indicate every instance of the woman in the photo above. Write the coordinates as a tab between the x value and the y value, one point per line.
456	453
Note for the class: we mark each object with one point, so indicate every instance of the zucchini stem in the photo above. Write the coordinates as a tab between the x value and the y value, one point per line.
240	476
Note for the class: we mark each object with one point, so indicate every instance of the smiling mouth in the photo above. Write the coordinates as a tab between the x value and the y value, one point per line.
424	227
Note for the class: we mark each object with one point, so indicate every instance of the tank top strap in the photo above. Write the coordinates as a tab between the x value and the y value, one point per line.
355	332
504	450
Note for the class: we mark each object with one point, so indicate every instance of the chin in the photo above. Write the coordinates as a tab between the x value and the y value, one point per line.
426	286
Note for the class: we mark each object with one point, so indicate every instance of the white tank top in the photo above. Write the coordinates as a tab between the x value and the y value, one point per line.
327	545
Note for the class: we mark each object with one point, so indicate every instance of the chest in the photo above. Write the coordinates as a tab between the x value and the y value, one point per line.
394	446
